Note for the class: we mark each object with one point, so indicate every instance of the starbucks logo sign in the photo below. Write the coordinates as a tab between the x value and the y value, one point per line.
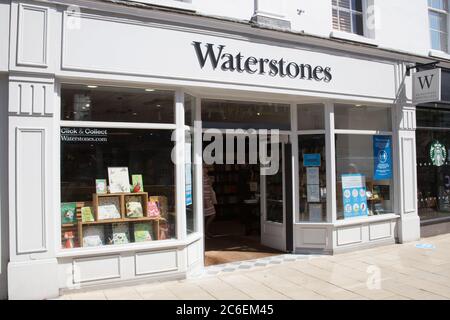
438	153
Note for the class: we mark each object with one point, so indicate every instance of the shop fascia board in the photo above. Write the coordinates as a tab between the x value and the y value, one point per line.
243	27
283	98
209	90
201	88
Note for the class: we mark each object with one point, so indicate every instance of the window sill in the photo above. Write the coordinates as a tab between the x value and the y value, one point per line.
439	54
353	221
352	37
188	6
131	247
314	224
370	219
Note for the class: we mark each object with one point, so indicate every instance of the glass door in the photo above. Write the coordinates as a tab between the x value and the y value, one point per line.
273	201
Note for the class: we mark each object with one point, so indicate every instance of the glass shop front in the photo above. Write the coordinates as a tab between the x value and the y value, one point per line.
433	162
119	183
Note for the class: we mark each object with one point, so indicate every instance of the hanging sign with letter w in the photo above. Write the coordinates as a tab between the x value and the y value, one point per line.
427	86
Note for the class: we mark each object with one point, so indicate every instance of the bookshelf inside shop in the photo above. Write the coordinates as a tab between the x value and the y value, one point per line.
234	186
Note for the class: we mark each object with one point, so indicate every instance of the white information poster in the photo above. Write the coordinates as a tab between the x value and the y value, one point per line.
315	212
313	192
312	184
351	181
312	175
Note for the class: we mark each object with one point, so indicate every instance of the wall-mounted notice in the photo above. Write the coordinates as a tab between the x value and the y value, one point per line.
354	195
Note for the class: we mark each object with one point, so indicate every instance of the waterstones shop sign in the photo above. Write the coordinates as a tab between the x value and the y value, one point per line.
218	57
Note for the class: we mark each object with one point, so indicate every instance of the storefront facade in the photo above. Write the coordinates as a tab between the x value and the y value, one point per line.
112	86
433	177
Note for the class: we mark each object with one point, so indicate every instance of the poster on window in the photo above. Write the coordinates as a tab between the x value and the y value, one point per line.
354	195
188	175
382	152
312	184
311	160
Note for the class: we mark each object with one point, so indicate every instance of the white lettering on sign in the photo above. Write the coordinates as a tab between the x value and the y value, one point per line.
427	86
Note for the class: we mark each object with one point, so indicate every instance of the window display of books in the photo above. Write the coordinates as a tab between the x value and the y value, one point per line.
120	234
87	214
68	212
134	206
108	208
115	219
118	214
143	232
93	236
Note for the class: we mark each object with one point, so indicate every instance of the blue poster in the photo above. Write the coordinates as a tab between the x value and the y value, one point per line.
354	195
188	175
311	160
188	185
382	152
188	195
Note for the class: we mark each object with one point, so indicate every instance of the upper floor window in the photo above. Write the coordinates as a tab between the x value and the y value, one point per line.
438	15
348	16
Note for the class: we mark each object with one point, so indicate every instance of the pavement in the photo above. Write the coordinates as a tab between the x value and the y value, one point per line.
415	270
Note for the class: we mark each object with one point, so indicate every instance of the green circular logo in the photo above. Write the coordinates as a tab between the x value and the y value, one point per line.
438	153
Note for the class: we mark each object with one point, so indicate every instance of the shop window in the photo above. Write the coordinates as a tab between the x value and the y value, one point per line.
438	22
189	116
191	221
245	115
364	175
312	177
430	117
117	184
274	205
101	103
360	117
433	163
311	117
348	16
189	105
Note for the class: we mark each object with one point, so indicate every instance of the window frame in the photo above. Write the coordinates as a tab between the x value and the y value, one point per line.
351	11
178	125
445	13
358	132
296	133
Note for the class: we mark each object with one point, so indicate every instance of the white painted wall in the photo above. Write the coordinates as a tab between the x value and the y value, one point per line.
400	25
235	9
403	25
4	34
4	236
315	17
